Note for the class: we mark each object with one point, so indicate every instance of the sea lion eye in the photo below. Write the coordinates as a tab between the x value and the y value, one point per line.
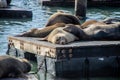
57	40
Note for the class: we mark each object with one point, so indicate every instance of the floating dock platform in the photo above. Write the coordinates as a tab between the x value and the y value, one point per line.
14	12
77	59
90	3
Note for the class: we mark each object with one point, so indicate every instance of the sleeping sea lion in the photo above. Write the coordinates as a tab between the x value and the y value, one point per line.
103	32
12	67
58	19
59	36
41	33
111	20
75	30
61	17
95	31
89	22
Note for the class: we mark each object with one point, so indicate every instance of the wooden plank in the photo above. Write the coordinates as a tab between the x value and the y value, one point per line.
32	40
32	45
15	12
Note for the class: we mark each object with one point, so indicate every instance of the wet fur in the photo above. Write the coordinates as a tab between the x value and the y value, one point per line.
75	30
111	20
90	22
96	31
58	19
12	67
61	17
103	32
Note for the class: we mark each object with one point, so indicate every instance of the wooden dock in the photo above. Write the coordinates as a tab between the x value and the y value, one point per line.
35	46
15	12
83	58
90	3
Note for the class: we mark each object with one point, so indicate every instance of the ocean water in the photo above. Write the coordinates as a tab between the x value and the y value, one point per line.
11	27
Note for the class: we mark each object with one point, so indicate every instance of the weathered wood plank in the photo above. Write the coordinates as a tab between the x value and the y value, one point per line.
32	40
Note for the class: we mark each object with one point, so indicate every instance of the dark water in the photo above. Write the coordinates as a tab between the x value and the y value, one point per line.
10	27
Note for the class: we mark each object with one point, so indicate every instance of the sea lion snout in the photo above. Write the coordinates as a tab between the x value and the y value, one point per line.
59	39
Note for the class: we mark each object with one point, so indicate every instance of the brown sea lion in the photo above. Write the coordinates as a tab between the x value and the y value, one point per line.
58	19
103	32
61	17
95	31
41	33
75	30
59	36
13	67
111	20
89	22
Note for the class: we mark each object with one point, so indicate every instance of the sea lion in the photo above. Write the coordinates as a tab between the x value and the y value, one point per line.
12	67
3	3
103	32
89	22
111	20
59	36
58	19
61	17
95	31
75	30
41	33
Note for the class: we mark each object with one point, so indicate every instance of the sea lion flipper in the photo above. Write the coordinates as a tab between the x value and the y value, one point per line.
43	39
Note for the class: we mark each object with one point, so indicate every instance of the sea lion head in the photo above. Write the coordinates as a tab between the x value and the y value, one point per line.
111	20
74	29
59	38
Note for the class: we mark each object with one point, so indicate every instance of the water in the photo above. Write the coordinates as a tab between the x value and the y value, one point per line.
40	15
10	27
